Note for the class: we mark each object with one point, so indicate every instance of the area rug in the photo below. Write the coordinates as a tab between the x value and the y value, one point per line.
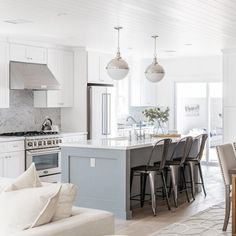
206	223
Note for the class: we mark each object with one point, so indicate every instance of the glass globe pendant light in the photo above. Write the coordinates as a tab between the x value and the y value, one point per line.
155	71
117	68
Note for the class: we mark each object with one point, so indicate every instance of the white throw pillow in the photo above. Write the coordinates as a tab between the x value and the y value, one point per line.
65	202
29	179
25	208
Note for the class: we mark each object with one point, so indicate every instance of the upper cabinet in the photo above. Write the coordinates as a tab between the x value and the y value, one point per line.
30	54
61	64
142	91
97	63
4	75
148	93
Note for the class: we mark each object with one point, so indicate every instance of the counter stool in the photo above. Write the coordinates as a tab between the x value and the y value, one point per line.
193	161
176	166
150	170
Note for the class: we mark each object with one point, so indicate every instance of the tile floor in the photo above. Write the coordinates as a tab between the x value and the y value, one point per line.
144	223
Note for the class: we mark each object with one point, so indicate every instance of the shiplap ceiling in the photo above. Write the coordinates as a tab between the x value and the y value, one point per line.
208	25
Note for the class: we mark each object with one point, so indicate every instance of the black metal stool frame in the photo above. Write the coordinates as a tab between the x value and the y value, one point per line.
150	170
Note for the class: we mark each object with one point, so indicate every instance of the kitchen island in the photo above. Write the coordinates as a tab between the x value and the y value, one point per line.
101	170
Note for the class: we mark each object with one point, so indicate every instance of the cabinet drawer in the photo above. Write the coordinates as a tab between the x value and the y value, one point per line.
15	146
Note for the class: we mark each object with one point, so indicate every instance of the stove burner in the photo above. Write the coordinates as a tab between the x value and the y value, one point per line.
28	133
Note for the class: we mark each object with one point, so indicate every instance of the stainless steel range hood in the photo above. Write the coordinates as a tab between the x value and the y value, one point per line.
32	76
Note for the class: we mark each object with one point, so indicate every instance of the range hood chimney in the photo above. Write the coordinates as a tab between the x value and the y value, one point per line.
32	76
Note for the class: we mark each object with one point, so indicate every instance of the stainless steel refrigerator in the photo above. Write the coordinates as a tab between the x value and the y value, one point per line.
102	118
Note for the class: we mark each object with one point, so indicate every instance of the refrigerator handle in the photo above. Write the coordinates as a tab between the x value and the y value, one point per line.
106	114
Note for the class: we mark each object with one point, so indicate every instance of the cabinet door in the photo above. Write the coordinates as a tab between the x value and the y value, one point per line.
1	165
148	93
103	76
63	65
36	54
93	67
53	97
14	164
67	79
29	54
4	75
18	53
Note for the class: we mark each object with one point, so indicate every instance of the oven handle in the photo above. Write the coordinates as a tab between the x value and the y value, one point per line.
46	151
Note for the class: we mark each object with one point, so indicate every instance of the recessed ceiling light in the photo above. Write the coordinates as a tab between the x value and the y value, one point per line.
188	44
62	14
18	21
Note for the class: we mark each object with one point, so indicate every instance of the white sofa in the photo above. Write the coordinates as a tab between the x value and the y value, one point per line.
83	222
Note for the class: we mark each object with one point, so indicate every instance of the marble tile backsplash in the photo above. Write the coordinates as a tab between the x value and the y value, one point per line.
22	116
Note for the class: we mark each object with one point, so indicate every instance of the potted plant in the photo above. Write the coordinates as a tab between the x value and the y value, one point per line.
158	117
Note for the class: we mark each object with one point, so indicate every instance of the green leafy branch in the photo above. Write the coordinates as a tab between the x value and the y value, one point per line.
156	114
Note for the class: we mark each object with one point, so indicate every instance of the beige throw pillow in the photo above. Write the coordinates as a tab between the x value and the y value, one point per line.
29	179
65	202
26	208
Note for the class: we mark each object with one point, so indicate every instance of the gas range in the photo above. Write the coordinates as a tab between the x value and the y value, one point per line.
37	139
43	149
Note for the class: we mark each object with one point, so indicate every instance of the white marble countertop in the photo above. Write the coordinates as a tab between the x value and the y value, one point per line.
18	138
120	143
11	138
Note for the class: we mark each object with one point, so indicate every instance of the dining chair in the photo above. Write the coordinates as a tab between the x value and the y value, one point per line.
227	160
150	170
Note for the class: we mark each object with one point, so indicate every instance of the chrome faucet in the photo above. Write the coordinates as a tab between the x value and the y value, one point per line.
132	118
139	135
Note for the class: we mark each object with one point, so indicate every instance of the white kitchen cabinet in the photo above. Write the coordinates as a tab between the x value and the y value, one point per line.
12	159
61	64
148	93
4	75
104	77
13	164
93	67
30	54
1	164
142	91
97	72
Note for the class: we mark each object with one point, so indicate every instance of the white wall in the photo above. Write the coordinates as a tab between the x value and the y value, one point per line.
195	69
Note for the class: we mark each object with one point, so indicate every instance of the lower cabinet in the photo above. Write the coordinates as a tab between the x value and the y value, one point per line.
12	159
13	164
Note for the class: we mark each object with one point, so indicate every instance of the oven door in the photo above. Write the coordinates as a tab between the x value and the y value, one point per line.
47	161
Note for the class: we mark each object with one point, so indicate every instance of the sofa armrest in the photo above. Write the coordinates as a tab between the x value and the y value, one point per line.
83	222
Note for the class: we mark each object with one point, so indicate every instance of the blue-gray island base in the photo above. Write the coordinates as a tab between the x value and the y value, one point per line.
102	172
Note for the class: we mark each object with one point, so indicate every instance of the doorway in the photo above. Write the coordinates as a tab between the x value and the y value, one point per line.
198	108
